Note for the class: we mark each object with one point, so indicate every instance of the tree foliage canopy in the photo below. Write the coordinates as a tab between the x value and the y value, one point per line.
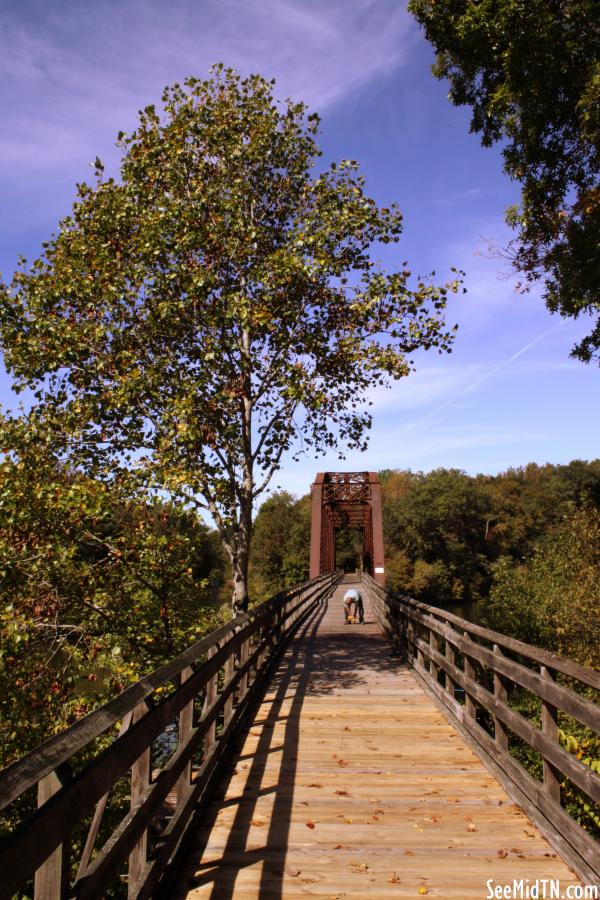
530	71
446	532
215	305
98	587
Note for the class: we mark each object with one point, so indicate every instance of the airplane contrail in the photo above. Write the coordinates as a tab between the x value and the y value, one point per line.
483	378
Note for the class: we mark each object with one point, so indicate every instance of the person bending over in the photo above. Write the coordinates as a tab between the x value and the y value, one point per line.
353	598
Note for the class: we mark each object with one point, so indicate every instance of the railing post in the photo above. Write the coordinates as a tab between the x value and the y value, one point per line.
410	639
88	848
210	697
469	669
244	652
229	673
550	729
433	668
140	779
500	693
50	881
420	657
186	724
450	655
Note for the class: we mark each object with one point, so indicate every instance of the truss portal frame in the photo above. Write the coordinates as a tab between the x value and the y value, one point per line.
346	500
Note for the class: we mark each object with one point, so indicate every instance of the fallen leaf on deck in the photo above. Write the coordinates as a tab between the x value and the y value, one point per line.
338	847
342	762
348	821
293	873
471	827
304	802
314	784
342	793
359	867
409	852
502	853
394	879
310	824
258	823
422	890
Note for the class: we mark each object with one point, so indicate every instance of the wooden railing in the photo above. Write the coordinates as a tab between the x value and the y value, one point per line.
477	675
196	703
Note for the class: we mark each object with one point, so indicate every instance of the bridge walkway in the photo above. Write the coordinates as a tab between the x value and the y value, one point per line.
350	783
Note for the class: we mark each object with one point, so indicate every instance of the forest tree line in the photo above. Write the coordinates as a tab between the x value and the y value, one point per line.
526	541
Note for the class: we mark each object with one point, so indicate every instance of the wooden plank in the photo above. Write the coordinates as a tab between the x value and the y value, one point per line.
49	882
209	699
140	781
501	694
550	731
186	724
469	670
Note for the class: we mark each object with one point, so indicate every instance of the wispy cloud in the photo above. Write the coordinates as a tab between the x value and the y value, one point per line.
436	445
72	75
459	197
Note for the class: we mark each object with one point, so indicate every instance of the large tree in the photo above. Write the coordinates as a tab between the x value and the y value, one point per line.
530	71
215	305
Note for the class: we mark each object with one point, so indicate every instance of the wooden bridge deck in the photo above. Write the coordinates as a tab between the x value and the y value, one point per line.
350	783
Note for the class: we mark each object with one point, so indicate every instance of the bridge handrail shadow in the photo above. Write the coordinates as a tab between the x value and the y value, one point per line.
203	694
474	673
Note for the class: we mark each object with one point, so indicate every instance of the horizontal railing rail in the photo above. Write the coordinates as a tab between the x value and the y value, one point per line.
203	696
474	672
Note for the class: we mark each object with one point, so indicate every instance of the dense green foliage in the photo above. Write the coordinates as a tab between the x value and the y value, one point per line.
435	532
553	598
215	305
530	71
99	586
280	544
449	536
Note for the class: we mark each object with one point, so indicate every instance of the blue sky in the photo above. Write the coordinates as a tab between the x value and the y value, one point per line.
73	74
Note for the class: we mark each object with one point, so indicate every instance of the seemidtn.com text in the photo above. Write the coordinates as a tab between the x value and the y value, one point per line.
540	889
